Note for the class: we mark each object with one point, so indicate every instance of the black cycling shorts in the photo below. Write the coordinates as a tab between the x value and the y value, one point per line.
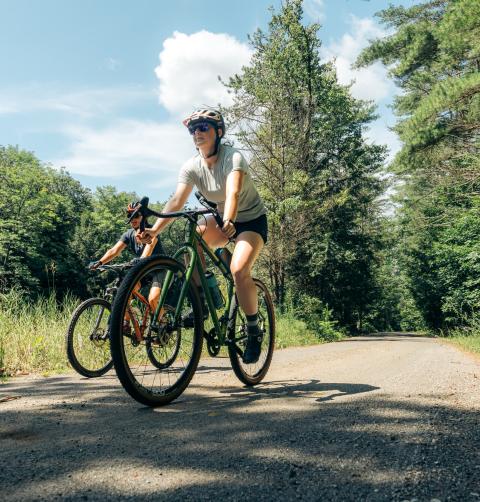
258	225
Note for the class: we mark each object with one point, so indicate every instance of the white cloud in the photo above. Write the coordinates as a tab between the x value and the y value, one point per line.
369	83
315	9
189	69
83	103
128	148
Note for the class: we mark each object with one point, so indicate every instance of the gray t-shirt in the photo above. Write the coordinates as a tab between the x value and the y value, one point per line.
212	182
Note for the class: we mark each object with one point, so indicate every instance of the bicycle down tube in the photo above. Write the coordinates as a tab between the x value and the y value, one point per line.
189	249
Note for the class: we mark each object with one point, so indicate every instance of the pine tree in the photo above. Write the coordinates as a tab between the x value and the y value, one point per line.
315	171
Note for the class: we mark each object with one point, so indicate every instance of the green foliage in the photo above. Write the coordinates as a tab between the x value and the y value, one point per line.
433	53
291	331
39	210
318	318
315	172
32	332
467	337
457	258
51	227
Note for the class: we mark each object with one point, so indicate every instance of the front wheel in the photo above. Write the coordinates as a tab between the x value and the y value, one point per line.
251	374
151	375
87	339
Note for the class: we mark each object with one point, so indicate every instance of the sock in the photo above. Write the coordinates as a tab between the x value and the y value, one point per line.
252	323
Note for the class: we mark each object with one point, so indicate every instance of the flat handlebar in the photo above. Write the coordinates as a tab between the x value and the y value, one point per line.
191	214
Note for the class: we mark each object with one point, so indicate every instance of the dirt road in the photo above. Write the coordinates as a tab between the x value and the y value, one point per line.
385	417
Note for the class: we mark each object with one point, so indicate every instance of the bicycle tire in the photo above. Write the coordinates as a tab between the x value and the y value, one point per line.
77	361
134	376
252	374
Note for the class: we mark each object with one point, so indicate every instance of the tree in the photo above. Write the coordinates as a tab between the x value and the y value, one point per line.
39	209
316	174
433	54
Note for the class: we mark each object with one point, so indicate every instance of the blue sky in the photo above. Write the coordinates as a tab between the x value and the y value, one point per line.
100	87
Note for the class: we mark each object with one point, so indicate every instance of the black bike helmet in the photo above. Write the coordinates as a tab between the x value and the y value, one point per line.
132	207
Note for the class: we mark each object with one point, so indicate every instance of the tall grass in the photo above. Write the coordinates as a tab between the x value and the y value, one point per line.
467	337
293	332
32	333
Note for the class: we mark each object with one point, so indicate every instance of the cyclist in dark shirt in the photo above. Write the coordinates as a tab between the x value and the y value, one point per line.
130	241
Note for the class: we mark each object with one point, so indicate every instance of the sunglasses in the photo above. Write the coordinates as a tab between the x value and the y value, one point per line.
135	217
201	126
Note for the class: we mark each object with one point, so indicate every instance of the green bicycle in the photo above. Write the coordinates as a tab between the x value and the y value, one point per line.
179	317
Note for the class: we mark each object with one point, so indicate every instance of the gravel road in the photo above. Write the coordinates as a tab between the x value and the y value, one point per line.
384	417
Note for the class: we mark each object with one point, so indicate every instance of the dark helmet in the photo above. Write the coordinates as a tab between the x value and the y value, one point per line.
210	115
132	207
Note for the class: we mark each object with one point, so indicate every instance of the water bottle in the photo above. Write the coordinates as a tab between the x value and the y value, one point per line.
224	255
212	283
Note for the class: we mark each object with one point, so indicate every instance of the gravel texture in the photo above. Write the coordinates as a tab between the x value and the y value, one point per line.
385	417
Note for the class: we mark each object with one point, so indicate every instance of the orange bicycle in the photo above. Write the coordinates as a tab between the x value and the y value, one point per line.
88	333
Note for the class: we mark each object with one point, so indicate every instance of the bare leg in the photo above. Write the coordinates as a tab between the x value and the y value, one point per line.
153	297
214	237
247	248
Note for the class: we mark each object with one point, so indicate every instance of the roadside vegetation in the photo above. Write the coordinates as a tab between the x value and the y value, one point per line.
32	333
467	337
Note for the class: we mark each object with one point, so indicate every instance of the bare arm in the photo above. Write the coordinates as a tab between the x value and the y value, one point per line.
233	189
113	252
148	249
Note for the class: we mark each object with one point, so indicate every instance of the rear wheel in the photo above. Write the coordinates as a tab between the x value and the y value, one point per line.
163	348
251	374
87	339
152	376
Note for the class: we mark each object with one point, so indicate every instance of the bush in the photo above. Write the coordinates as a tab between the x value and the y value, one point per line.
318	318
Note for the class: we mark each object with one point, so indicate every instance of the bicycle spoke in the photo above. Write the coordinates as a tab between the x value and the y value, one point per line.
163	361
252	373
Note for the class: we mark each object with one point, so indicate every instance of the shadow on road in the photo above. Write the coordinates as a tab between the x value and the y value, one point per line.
281	440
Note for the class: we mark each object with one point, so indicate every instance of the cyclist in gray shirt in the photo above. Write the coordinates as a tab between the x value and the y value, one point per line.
222	174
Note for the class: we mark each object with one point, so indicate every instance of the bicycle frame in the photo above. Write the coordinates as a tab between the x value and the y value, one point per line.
139	330
110	293
190	249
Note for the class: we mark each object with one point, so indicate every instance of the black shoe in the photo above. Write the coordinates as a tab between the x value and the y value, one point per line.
188	320
253	347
